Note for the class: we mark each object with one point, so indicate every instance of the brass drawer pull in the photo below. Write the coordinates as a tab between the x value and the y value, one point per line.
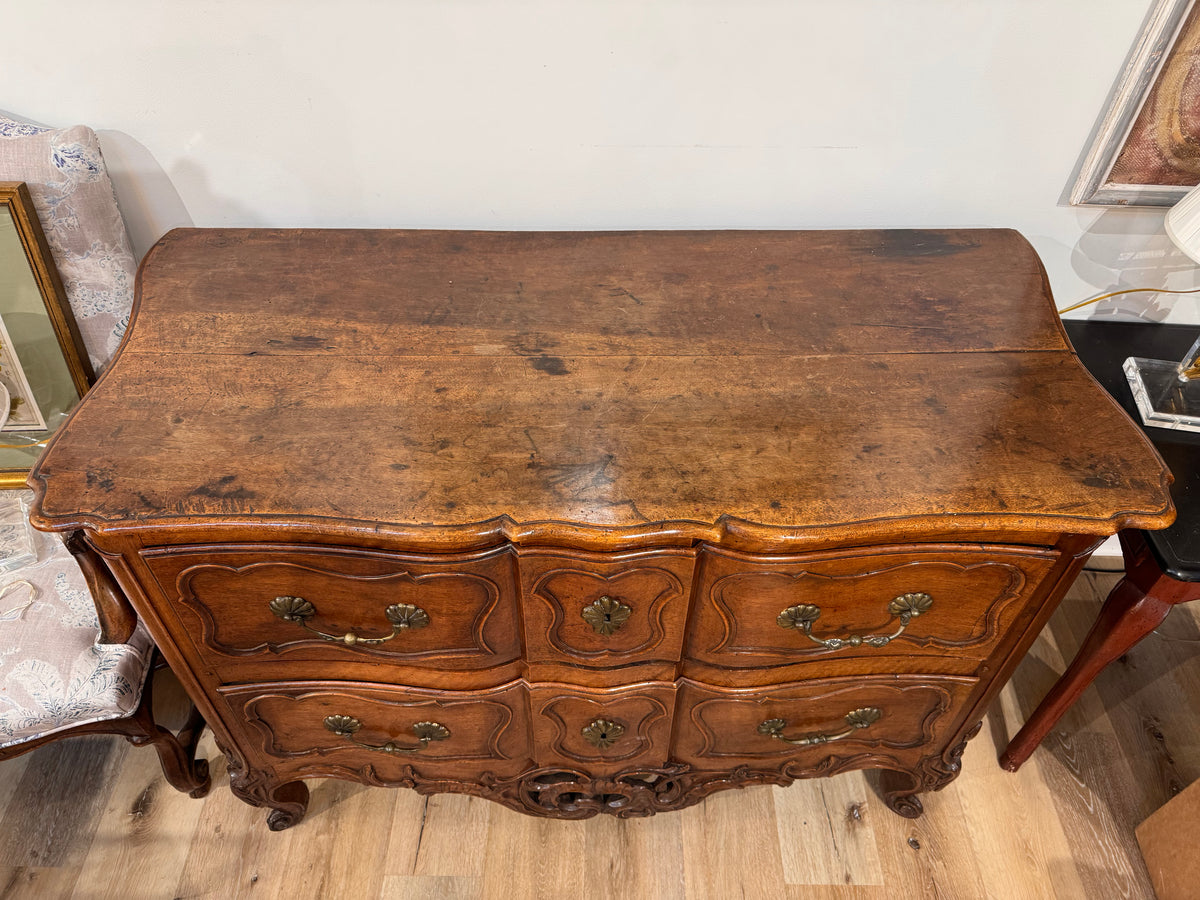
402	616
346	726
906	607
855	719
602	733
606	615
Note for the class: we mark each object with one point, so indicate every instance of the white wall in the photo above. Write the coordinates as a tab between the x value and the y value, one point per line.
602	114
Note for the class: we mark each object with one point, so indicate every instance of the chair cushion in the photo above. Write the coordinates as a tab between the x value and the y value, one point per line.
74	199
53	674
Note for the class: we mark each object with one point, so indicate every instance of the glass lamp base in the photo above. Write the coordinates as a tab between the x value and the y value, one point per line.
1164	398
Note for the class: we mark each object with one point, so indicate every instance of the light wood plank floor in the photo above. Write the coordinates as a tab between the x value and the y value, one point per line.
92	817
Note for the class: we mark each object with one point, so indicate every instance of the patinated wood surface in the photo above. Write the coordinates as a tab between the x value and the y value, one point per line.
807	382
312	437
1062	827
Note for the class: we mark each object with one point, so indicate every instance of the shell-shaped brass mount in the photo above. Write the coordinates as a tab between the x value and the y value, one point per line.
855	719
606	615
602	733
401	616
348	726
904	609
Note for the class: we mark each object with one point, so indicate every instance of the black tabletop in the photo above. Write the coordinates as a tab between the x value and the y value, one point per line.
1104	347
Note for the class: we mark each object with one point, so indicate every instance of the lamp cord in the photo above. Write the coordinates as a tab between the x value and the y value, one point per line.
1067	309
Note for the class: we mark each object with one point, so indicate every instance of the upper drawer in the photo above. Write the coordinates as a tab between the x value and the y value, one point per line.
455	612
937	600
605	609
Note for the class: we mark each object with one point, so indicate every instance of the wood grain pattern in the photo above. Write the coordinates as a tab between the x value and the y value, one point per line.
784	385
994	834
504	428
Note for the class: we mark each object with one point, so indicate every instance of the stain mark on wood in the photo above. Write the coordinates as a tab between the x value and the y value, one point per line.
101	480
918	243
576	477
533	344
225	488
616	291
551	365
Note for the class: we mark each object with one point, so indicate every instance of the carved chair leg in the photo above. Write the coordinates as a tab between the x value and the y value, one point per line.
899	790
176	754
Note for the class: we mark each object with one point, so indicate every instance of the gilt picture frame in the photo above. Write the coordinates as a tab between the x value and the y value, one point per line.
1146	150
44	369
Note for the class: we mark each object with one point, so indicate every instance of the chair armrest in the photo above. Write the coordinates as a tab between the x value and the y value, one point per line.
117	618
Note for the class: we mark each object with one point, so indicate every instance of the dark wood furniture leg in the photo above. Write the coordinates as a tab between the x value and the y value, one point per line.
176	752
1134	608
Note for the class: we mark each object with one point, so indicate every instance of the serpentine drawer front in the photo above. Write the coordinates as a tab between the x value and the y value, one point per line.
603	610
312	610
321	727
825	723
951	604
594	523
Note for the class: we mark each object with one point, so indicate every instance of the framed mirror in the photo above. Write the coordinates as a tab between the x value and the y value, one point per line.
44	369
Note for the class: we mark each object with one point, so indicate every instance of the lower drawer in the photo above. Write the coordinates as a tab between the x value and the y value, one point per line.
720	728
601	731
360	730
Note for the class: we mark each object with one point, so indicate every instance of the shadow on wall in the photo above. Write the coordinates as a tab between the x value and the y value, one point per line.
149	199
149	202
1128	248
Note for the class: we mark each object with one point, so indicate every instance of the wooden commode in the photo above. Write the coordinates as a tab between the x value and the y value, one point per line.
595	522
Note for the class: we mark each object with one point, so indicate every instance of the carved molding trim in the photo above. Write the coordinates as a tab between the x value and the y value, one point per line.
564	793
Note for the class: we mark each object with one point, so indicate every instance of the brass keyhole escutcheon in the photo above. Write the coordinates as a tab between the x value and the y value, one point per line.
602	733
606	615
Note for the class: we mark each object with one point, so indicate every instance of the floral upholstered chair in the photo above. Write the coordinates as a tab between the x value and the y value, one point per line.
64	673
73	657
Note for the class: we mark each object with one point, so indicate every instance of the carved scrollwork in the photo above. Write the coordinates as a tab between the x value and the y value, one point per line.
938	771
573	795
286	800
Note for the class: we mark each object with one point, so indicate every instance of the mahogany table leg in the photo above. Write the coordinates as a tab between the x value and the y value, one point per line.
1134	608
